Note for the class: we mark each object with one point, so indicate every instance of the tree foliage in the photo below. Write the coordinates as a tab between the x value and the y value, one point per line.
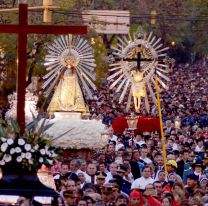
183	21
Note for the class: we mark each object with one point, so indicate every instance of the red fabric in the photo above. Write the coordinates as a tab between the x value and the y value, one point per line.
167	188
134	195
144	124
153	202
119	125
176	203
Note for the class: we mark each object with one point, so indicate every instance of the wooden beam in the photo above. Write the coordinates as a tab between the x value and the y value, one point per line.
16	10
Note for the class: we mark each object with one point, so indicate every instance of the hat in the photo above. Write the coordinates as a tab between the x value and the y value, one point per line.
122	168
101	175
69	193
108	188
192	176
172	163
198	163
95	196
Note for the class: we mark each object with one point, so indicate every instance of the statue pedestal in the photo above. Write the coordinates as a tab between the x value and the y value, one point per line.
68	115
71	133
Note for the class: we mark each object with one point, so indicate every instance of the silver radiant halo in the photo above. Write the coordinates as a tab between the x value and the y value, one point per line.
69	53
125	75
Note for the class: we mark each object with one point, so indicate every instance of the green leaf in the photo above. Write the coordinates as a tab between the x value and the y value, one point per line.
15	126
41	129
46	127
2	131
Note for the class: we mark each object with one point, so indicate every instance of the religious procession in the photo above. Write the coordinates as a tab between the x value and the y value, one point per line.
103	103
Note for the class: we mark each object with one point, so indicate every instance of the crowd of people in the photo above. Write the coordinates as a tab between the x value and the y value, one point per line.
130	170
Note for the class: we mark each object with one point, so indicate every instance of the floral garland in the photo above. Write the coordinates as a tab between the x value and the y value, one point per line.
27	151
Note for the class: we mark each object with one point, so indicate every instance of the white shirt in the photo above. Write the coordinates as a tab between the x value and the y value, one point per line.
140	183
108	177
140	143
146	160
199	149
175	146
114	138
89	180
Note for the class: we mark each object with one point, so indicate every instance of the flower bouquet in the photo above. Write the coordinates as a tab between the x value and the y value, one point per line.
28	151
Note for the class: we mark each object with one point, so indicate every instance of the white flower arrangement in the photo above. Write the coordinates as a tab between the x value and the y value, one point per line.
36	147
42	151
41	160
28	155
7	158
21	142
10	141
19	159
12	151
3	139
18	150
28	151
4	147
23	155
2	162
28	147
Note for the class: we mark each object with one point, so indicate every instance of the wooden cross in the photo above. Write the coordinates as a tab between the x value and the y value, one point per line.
22	30
139	59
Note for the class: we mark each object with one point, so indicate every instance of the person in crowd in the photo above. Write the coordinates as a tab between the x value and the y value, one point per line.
136	198
132	163
91	174
61	177
192	184
69	198
121	200
145	179
113	169
198	168
136	166
144	156
172	167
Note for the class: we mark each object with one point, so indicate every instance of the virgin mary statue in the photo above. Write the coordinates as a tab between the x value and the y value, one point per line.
68	95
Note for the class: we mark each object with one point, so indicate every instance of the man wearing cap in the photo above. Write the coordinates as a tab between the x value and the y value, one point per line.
198	168
171	168
100	179
69	198
125	185
107	194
